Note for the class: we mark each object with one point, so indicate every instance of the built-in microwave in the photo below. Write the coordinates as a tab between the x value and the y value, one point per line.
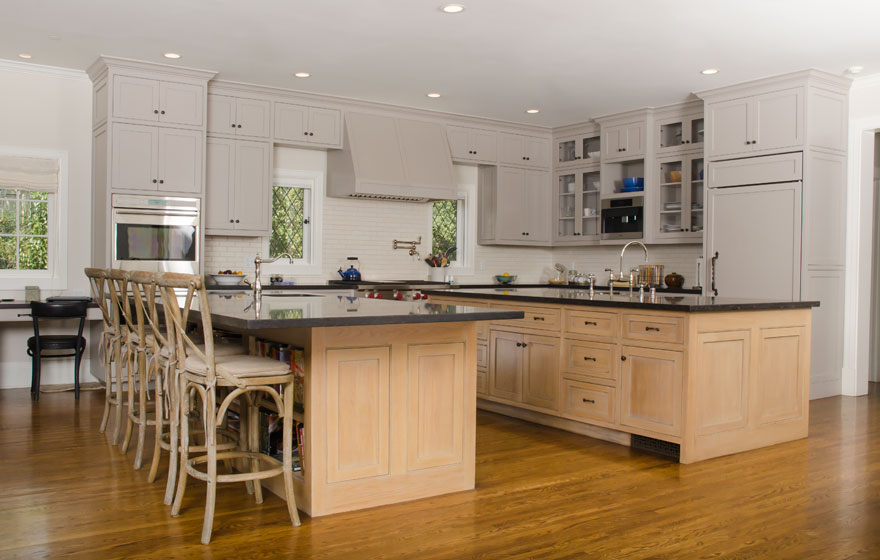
622	218
158	234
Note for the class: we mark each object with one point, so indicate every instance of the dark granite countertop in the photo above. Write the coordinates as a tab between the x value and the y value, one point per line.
236	311
663	302
424	285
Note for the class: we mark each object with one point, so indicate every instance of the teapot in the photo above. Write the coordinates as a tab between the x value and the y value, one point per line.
352	274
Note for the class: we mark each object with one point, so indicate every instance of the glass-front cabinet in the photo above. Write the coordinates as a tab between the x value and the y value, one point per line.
680	198
576	211
578	150
676	134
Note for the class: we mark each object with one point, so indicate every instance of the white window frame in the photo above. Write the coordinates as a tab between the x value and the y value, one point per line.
466	230
313	209
55	277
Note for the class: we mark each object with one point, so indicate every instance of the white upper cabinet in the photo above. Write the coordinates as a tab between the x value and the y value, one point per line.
578	150
149	158
679	133
239	116
625	141
237	188
301	124
756	124
180	160
514	206
524	151
472	144
158	101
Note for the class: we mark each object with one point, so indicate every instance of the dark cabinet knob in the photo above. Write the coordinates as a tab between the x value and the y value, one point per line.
238	126
155	180
475	152
233	125
305	133
524	158
161	181
623	358
163	112
156	111
311	133
524	345
236	221
231	221
577	157
518	344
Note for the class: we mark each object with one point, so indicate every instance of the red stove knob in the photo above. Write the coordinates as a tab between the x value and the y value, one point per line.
370	295
398	295
378	296
424	296
417	295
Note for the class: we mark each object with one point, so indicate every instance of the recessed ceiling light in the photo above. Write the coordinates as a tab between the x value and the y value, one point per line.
433	95
709	71
855	69
24	55
452	8
533	111
302	74
55	37
172	55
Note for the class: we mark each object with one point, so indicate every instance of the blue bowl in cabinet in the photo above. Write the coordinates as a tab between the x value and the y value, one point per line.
633	183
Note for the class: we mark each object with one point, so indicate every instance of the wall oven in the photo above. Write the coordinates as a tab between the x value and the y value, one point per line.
157	234
622	218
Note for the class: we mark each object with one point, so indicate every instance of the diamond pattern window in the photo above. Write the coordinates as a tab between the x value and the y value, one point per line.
445	228
289	221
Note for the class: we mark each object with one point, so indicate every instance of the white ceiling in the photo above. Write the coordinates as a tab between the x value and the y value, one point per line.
572	59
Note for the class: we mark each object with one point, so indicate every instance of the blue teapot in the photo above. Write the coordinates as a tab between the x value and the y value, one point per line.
352	274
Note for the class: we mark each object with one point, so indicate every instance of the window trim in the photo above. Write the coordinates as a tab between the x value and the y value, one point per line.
55	278
314	182
466	232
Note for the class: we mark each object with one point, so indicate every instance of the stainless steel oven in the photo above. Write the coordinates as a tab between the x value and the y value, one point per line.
622	218
160	234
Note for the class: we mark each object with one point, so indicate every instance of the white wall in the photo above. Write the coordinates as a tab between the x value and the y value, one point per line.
49	109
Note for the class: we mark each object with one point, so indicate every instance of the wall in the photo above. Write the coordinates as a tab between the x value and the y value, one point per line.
366	229
874	373
50	109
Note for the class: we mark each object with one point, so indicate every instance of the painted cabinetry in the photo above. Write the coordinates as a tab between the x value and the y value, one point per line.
473	145
239	116
513	206
317	126
238	187
525	151
158	101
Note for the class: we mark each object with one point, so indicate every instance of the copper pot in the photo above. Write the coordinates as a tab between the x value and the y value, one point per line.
674	280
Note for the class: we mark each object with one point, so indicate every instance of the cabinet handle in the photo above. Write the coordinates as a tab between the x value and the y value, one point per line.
594	323
156	111
652	329
577	157
623	358
161	181
538	318
231	221
591	401
236	221
162	112
233	125
311	133
524	344
590	358
714	262
155	181
305	133
238	126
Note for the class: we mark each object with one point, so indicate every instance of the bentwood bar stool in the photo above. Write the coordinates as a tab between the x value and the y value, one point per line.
204	372
110	347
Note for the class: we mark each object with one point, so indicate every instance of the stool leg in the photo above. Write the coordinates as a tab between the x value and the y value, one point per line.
254	437
142	410
174	429
184	451
244	436
33	375
77	360
108	388
129	423
158	415
117	375
287	454
211	448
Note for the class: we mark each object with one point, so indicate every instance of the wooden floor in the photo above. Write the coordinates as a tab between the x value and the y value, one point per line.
541	493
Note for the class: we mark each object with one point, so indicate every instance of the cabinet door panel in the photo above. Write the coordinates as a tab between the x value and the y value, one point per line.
536	151
485	144
541	371
221	114
326	126
779	120
459	142
252	188
505	365
135	157
219	183
723	362
511	217
781	381
635	140
512	150
729	127
135	98
651	382
291	122
181	103
253	117
537	211
180	160
613	139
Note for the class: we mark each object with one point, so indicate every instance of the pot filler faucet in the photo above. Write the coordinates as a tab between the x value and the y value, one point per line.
258	260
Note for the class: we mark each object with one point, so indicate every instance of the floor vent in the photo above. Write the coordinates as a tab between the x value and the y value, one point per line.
660	447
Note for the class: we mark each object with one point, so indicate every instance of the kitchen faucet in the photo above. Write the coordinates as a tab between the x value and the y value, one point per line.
258	260
623	252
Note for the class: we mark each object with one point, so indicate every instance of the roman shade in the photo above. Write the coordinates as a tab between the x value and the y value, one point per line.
28	173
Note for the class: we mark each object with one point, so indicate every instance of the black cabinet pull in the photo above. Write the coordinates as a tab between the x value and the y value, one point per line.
305	133
652	329
231	221
311	133
232	125
238	126
594	323
538	318
162	112
714	288
518	344
236	221
155	180
590	358
161	181
524	344
591	401
623	358
156	111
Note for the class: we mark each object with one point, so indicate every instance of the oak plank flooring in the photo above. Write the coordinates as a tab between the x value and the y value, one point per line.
541	493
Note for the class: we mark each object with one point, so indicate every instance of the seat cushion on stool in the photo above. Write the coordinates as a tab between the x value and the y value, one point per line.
219	349
55	342
238	366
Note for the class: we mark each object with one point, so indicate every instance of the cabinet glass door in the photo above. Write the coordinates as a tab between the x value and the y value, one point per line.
697	131
590	203
671	134
671	197
591	148
567	150
695	192
566	203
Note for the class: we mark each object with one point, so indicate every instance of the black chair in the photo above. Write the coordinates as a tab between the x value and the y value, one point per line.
38	344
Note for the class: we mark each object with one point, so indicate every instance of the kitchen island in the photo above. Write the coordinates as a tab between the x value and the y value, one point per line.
690	376
389	393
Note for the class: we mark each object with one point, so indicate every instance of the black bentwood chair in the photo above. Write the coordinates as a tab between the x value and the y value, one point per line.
53	343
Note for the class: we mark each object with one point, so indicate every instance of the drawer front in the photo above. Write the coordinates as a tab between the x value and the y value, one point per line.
482	382
588	401
654	328
482	356
594	359
591	323
544	318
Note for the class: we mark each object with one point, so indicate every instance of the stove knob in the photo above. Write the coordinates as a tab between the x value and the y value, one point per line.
424	296
398	296
370	295
378	296
417	295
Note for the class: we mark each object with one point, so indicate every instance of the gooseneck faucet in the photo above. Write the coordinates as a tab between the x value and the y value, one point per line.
623	252
258	261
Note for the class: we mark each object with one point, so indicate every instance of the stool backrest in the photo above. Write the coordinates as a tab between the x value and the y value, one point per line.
98	282
118	287
143	288
59	310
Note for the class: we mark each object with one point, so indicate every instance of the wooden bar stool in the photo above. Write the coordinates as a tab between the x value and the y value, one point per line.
204	372
110	347
117	287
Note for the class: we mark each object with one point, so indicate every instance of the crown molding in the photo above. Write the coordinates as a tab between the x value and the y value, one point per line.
103	62
41	70
810	76
866	81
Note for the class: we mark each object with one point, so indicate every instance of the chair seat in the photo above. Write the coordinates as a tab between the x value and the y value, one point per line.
219	349
238	366
56	342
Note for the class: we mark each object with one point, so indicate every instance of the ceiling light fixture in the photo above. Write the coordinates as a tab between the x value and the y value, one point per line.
24	55
302	74
55	37
533	111
855	69
171	55
452	8
433	95
709	71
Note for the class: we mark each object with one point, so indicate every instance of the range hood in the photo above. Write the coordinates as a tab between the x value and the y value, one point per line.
391	158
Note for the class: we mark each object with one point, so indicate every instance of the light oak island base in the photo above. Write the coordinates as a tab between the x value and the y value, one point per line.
389	413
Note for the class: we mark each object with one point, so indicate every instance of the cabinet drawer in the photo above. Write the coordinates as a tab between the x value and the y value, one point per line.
535	317
593	359
591	323
654	328
482	382
482	356
588	401
782	168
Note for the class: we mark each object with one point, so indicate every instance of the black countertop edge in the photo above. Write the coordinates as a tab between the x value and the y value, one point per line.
223	321
705	305
421	285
